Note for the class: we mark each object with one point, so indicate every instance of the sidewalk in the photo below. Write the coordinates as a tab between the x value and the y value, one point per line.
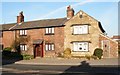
63	61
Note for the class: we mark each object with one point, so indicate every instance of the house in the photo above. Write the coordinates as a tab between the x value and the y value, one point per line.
49	37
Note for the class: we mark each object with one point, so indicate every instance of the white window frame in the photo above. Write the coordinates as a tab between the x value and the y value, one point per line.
80	29
49	46
23	47
49	30
78	45
23	32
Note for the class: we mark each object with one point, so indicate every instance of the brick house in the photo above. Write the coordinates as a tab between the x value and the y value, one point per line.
46	38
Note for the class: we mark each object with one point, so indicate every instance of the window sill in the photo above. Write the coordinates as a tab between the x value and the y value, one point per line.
50	34
80	51
80	34
22	35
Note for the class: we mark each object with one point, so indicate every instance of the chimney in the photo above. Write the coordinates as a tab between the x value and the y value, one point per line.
70	12
20	18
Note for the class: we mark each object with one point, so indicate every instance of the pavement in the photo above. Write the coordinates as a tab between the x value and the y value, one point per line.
65	61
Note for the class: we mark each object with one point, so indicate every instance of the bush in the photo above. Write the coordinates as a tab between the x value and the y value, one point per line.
87	57
27	57
7	49
67	53
94	57
98	52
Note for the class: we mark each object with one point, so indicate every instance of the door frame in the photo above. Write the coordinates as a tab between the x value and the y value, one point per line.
41	52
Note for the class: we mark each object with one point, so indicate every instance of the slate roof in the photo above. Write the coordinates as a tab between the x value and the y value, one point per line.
41	23
35	24
6	26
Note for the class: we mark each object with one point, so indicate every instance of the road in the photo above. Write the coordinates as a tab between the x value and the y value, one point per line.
22	69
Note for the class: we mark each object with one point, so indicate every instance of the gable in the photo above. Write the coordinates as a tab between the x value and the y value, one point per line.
83	18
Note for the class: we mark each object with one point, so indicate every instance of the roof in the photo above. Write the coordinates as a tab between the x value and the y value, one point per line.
7	26
38	41
41	23
116	37
35	24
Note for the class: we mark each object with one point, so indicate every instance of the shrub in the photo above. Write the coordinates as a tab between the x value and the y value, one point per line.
98	52
7	49
27	57
94	57
87	57
67	53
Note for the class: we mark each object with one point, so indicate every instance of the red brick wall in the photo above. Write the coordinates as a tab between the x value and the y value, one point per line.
57	39
8	38
113	46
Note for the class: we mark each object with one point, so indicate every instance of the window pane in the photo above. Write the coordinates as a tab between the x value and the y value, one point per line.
85	28
52	46
21	47
75	29
75	46
25	47
52	30
20	32
49	47
46	47
46	30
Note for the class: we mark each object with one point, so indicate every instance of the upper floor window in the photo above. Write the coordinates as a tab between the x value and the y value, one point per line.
49	46
49	30
23	32
83	29
23	47
80	46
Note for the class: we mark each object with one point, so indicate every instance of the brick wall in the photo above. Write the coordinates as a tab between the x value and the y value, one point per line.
113	46
8	38
57	39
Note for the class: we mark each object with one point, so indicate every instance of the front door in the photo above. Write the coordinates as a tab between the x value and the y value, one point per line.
38	50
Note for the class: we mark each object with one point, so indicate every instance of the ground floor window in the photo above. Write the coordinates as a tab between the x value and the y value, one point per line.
49	46
80	46
23	47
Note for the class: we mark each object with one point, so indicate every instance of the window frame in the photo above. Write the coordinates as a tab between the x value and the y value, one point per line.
49	31
81	29
24	47
49	47
23	32
83	47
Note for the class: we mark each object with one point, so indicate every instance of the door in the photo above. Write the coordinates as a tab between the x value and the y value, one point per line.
38	50
105	47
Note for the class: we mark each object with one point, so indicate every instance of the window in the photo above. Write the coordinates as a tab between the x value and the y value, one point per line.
80	46
23	47
80	29
49	30
23	32
49	46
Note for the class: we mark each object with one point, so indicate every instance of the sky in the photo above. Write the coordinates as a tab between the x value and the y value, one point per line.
105	12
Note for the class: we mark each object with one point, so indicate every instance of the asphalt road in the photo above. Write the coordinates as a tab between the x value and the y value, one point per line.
20	69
